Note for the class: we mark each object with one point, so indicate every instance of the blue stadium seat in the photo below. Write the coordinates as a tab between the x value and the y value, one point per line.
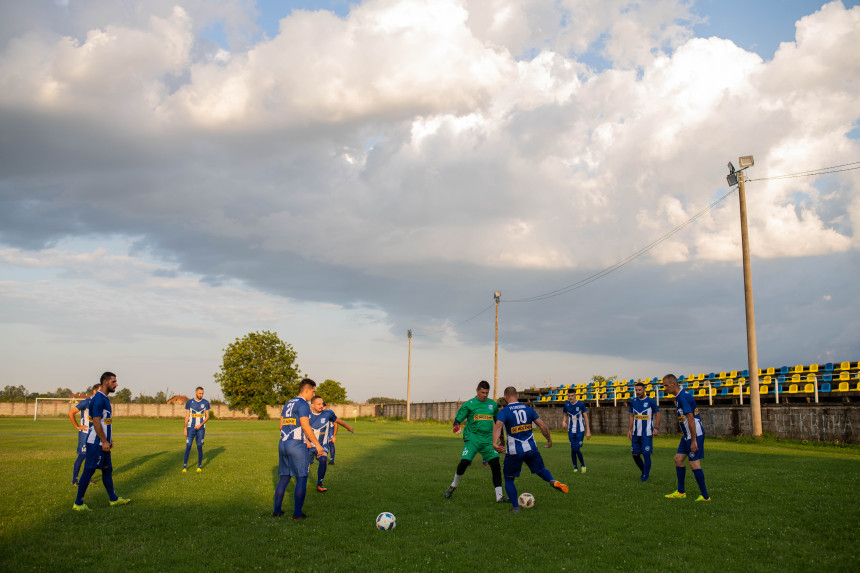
825	387
827	378
724	391
745	374
828	367
783	370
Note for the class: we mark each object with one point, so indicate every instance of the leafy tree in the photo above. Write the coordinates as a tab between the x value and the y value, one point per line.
13	394
123	396
384	400
58	393
332	392
258	370
161	397
144	399
599	379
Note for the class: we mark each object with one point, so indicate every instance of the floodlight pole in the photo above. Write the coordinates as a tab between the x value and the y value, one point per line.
496	295
752	352
409	378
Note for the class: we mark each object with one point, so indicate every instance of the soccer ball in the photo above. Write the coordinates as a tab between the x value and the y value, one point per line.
386	521
526	500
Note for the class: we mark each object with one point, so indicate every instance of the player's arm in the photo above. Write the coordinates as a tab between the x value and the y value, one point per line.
100	432
205	418
691	425
340	422
545	431
462	414
587	426
305	423
185	425
656	422
630	427
334	431
497	436
72	413
565	422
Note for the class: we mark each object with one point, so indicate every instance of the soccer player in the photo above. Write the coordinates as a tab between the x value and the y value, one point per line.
292	453
576	419
99	444
517	420
83	429
692	439
322	421
196	416
644	423
479	413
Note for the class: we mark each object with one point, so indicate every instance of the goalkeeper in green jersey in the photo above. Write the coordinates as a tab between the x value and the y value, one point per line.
479	414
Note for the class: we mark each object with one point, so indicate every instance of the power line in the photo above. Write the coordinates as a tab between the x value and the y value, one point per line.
812	172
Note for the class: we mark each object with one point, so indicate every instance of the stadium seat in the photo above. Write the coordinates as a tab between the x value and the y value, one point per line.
701	392
828	367
783	370
843	387
809	388
724	391
736	391
745	373
824	387
795	378
810	378
827	378
798	369
722	376
712	376
792	389
763	389
844	376
813	367
844	366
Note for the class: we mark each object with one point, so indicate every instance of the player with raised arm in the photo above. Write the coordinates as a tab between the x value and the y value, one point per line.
196	415
644	424
479	414
323	421
293	457
516	419
99	444
575	419
83	429
692	443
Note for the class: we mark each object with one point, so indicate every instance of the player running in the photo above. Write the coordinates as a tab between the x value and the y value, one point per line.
644	423
83	429
292	452
323	421
196	416
517	420
479	413
576	419
99	444
692	439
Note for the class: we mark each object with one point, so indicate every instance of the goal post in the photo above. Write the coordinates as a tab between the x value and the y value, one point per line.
70	401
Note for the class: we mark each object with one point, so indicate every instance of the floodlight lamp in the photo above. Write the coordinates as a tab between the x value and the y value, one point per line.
732	179
497	295
731	167
746	161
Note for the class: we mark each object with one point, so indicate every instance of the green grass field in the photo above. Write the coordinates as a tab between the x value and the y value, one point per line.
776	506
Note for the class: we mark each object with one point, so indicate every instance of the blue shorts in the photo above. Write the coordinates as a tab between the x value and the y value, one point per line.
576	439
293	458
312	453
97	459
514	463
642	445
82	443
195	434
684	448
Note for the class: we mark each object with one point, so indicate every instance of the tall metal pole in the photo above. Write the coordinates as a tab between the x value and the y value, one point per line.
496	295
409	379
752	352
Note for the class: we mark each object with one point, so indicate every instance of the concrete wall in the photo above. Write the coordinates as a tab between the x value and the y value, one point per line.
61	409
816	422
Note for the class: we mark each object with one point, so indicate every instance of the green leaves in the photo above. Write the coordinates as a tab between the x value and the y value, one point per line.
332	392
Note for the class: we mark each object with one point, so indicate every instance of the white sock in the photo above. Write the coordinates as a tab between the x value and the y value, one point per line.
498	493
456	482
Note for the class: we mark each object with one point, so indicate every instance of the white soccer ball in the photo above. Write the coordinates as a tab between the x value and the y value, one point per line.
526	500
386	521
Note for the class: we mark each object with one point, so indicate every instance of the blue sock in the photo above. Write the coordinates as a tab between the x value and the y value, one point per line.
573	458
681	471
331	451
187	451
511	490
78	462
321	470
700	479
579	455
638	459
82	485
647	470
107	480
299	495
280	490
544	473
199	454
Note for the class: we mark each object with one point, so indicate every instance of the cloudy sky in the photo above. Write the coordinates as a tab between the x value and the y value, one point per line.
177	173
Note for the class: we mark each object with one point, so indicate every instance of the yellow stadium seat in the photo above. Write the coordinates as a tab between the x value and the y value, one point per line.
813	367
770	371
810	378
695	384
733	374
843	387
792	389
746	389
809	388
736	390
763	389
798	369
845	376
845	366
766	380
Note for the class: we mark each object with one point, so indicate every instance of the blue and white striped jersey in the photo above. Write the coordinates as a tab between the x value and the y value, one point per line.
83	407
686	404
100	408
575	416
643	415
198	410
518	419
323	425
291	415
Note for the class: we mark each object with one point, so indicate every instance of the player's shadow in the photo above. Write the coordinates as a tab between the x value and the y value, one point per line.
209	455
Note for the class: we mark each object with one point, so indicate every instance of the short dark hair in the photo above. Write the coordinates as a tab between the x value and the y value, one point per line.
105	377
511	391
199	388
306	382
317	398
96	386
640	383
670	378
483	385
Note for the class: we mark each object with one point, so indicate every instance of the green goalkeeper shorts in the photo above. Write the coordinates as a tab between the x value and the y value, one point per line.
486	450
